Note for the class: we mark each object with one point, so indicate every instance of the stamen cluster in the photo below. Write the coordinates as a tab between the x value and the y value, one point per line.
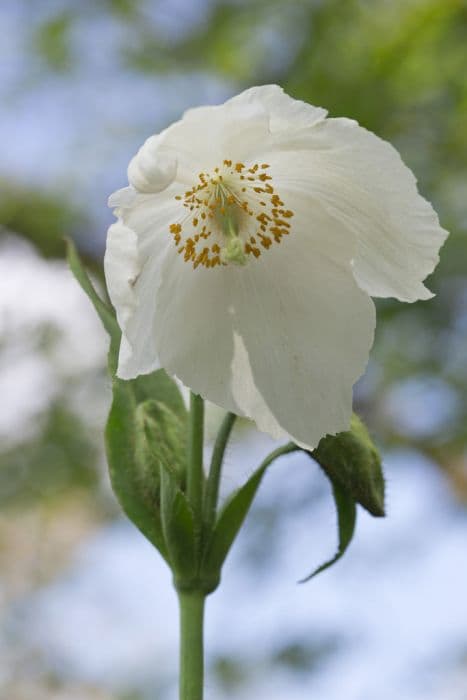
234	202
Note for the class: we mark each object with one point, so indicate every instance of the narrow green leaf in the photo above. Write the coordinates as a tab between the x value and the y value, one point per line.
351	460
105	312
229	522
233	514
346	519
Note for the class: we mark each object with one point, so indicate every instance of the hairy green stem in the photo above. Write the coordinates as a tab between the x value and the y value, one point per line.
195	475
191	645
284	450
213	482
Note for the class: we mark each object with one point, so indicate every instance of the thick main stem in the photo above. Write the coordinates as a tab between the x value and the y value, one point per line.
191	602
191	645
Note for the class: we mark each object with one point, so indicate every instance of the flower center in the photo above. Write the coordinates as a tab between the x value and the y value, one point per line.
232	213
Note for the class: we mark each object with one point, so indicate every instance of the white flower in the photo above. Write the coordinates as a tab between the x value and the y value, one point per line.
247	247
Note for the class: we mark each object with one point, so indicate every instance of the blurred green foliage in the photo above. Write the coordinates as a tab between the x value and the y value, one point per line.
52	41
59	457
42	217
298	656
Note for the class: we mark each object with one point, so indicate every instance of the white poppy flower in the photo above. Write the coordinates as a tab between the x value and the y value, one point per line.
245	252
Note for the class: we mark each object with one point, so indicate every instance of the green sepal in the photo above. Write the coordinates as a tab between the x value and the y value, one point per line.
159	436
178	528
137	494
351	460
161	439
136	447
158	386
346	519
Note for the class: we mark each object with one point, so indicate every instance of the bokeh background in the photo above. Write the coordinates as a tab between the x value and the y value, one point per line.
87	611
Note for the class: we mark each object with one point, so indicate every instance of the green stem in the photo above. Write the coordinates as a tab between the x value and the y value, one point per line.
284	450
191	645
195	475
213	483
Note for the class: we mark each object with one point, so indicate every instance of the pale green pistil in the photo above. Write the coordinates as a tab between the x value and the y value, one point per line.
234	251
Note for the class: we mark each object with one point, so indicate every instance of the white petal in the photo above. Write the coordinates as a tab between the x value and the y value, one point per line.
246	394
153	168
197	343
193	317
122	198
121	266
205	136
284	111
151	215
361	181
132	266
240	126
198	142
281	340
307	328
